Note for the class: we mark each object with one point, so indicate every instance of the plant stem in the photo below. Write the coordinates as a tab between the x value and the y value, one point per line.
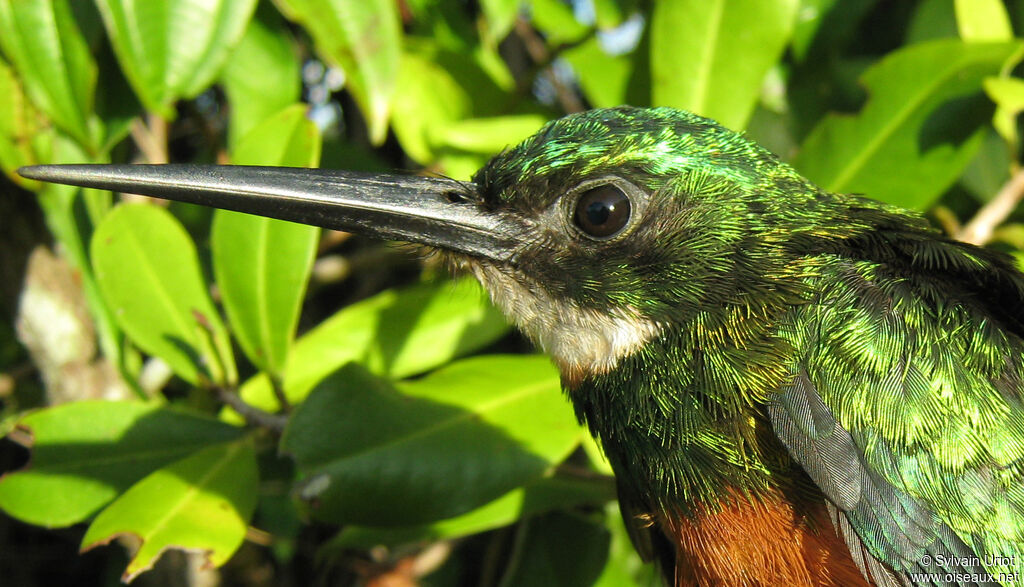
980	228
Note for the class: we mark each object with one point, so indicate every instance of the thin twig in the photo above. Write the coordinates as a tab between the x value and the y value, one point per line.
282	399
151	138
542	57
980	228
251	414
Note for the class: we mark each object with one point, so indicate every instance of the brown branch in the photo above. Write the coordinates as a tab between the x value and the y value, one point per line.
543	58
151	138
980	228
251	414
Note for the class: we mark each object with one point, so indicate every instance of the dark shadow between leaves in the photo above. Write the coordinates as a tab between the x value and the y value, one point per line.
954	122
193	356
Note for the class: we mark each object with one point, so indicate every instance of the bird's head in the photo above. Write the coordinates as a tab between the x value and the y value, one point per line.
593	236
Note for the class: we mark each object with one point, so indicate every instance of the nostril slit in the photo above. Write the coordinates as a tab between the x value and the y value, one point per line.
454	197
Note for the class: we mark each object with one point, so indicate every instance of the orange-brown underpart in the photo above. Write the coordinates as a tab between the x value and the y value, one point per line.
771	541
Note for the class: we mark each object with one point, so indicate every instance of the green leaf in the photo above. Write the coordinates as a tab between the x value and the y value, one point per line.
42	41
371	452
1008	94
24	136
202	503
556	20
983	20
729	46
427	96
262	265
811	15
918	129
545	494
559	549
363	38
603	77
989	170
172	49
500	16
488	135
268	48
148	272
624	565
931	20
86	453
396	333
609	14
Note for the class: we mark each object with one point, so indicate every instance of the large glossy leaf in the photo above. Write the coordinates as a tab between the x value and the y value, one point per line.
711	56
543	495
918	129
363	38
202	503
371	452
170	49
84	454
396	333
42	41
262	265
148	272
268	48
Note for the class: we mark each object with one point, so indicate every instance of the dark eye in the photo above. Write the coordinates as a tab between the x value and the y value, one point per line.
602	211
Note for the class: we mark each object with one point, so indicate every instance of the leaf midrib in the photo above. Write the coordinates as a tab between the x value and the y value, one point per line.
903	114
446	423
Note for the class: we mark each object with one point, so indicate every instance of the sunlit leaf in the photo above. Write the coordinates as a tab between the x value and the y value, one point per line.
86	453
501	16
396	333
262	265
148	272
556	20
488	135
603	77
1008	94
372	452
42	41
710	56
918	129
364	39
201	503
171	49
983	20
427	96
268	48
24	138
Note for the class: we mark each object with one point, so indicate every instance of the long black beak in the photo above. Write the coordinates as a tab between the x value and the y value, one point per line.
438	212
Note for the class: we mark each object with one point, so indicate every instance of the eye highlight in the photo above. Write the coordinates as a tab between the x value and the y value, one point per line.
602	211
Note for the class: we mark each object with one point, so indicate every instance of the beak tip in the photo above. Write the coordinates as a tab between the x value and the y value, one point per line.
31	172
41	172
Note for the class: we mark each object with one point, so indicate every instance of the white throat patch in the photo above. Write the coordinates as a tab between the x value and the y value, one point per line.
582	341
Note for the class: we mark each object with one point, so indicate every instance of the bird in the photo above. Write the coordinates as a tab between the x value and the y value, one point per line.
793	386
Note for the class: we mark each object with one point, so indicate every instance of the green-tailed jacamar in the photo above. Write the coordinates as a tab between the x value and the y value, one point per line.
793	386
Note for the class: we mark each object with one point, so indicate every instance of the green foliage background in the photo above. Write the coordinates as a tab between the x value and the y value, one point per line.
341	401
